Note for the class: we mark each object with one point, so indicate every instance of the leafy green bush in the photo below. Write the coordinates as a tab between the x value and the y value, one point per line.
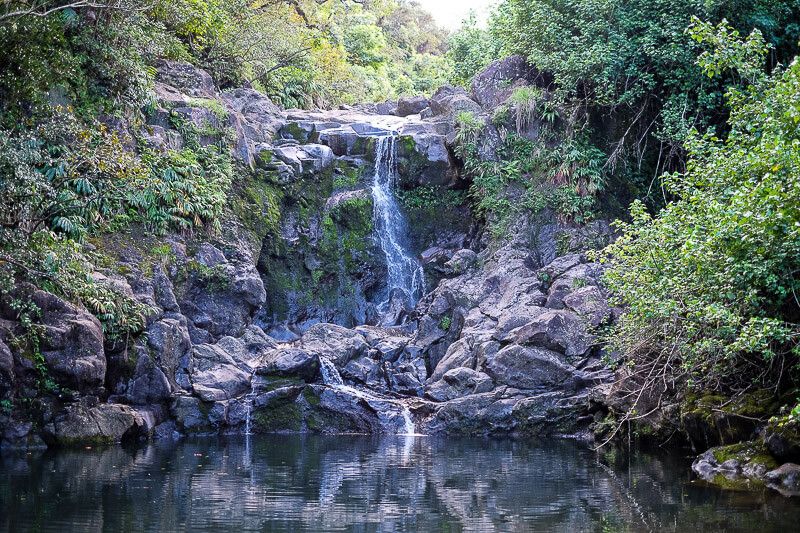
710	283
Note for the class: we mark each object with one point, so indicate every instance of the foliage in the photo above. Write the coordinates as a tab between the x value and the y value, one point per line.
471	48
630	66
710	283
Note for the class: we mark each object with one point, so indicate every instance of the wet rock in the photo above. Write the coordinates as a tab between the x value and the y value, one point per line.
103	424
72	343
785	479
738	466
19	434
190	414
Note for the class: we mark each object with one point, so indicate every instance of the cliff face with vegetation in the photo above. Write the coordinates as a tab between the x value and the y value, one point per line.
204	260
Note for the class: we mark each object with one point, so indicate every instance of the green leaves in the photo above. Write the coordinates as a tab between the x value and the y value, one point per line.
711	281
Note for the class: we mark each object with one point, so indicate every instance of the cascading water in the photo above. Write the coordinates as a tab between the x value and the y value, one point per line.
404	271
332	378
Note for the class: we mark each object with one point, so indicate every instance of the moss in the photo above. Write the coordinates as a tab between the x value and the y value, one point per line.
745	452
346	177
275	381
215	278
294	130
283	417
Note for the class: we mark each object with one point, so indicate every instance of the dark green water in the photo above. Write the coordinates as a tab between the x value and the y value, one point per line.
362	484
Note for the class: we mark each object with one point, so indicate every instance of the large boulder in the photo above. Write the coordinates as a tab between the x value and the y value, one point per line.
289	361
186	78
528	367
149	384
80	425
72	344
169	341
411	105
216	375
459	382
449	101
333	342
495	84
560	331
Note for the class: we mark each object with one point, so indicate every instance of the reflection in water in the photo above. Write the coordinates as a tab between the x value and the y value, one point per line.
304	483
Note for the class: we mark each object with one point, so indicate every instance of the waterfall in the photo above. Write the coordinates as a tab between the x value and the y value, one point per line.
332	378
330	375
404	272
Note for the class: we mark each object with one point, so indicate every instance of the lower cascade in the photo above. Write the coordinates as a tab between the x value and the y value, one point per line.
404	272
332	378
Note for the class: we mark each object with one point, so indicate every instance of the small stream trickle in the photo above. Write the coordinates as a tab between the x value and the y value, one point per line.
332	378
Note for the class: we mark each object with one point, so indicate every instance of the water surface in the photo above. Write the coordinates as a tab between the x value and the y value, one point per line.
364	484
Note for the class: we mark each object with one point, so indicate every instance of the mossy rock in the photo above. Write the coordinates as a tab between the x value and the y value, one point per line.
284	417
739	466
712	419
782	438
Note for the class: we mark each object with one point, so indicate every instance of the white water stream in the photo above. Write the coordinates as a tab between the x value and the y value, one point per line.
404	272
332	378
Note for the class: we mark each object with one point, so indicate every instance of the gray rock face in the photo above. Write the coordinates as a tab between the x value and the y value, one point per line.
336	343
186	78
149	384
102	424
73	343
459	382
411	105
528	368
449	101
290	362
498	81
6	369
785	479
216	375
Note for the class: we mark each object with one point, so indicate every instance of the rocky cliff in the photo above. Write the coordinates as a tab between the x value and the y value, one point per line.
241	321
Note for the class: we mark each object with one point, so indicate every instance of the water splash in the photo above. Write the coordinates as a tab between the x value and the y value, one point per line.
404	272
332	378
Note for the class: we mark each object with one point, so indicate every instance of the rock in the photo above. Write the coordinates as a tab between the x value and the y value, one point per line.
79	425
216	376
528	368
785	479
738	466
449	101
186	78
169	340
290	362
460	262
6	369
411	105
149	384
72	343
190	414
589	303
496	83
459	382
559	331
336	343
19	434
365	370
782	438
459	354
167	431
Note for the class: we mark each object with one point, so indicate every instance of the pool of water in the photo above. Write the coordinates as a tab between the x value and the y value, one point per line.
363	484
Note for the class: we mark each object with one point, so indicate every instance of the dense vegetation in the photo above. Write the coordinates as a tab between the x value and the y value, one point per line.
690	109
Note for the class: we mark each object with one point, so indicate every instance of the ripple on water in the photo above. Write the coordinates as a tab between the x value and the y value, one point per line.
350	483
